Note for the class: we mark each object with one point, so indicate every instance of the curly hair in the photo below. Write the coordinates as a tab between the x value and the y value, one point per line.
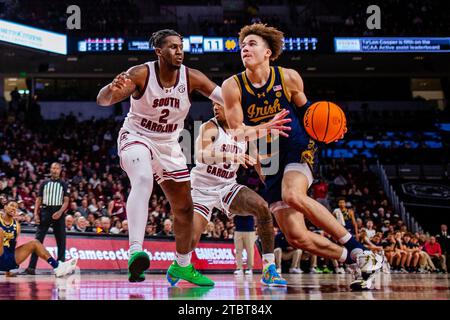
157	39
271	35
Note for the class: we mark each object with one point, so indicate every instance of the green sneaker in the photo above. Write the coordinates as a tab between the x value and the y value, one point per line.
326	270
137	264
188	273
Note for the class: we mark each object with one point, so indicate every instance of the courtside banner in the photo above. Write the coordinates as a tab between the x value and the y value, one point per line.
110	253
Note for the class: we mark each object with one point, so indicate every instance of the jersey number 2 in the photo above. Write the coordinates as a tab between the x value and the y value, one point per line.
164	115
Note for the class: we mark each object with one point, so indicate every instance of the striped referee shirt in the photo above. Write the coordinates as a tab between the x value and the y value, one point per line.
53	192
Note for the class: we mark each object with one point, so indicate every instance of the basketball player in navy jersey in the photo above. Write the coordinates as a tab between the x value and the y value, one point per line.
263	92
148	145
11	257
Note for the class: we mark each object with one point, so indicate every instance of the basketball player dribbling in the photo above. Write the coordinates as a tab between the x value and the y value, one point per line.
254	96
218	157
148	147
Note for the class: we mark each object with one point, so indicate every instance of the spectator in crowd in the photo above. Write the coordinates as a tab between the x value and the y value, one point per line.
443	238
385	227
117	206
150	230
124	229
365	240
285	252
105	225
209	231
369	229
425	262
81	225
73	207
117	225
70	223
167	229
346	217
244	238
412	250
83	209
320	192
433	248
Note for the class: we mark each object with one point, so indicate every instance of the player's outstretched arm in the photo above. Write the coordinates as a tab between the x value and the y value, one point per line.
206	154
123	86
200	82
235	117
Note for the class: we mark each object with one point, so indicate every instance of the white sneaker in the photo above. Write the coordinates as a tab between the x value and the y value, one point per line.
65	268
340	270
369	262
386	267
295	270
239	272
279	270
315	270
248	272
361	284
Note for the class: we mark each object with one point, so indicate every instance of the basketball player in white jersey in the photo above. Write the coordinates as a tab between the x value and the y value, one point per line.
148	146
218	157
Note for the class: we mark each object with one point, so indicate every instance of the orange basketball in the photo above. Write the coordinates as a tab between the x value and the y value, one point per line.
325	121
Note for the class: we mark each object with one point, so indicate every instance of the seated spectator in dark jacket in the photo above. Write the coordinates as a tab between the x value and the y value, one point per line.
167	229
82	225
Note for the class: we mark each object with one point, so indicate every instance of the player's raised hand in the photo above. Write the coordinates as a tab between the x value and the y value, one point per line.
245	160
121	81
278	123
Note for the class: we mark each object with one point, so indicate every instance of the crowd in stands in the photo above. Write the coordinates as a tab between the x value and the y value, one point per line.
126	17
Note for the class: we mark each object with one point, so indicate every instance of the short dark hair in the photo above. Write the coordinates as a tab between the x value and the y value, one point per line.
157	38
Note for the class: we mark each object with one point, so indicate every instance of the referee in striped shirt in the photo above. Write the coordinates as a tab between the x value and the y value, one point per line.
54	199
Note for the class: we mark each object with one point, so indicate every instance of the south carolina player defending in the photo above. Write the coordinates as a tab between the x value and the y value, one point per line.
148	145
218	157
260	93
11	257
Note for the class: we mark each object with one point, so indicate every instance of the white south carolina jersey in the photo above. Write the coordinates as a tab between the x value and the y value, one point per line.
159	113
217	176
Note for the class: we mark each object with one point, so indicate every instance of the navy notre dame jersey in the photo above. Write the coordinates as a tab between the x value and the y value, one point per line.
7	259
260	105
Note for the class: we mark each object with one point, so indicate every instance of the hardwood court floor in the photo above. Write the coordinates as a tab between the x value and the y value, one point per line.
228	287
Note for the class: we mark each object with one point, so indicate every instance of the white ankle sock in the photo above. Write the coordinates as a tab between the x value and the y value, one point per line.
183	259
345	238
268	259
135	247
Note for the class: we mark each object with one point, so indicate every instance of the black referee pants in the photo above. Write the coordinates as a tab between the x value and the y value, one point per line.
59	230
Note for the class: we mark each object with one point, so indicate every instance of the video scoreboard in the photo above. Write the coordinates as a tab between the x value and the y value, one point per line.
195	44
392	44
